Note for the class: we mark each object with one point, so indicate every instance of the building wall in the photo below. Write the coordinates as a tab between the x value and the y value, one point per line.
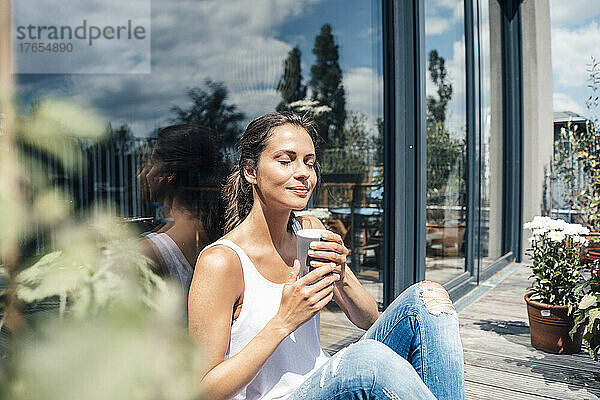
537	105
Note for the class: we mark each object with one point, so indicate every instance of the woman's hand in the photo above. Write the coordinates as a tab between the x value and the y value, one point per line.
330	250
303	298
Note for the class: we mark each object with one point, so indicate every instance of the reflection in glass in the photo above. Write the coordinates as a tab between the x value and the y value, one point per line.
184	175
219	65
446	140
491	132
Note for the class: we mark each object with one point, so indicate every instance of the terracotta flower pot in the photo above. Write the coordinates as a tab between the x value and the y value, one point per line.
550	326
592	251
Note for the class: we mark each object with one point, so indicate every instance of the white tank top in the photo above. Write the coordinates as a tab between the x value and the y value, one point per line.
173	259
297	356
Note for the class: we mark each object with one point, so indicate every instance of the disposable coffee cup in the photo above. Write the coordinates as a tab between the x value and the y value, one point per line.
304	238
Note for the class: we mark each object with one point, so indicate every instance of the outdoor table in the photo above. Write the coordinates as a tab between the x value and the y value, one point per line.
354	213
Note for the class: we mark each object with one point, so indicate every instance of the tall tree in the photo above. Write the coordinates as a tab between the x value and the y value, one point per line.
209	108
290	85
326	85
437	107
123	133
443	151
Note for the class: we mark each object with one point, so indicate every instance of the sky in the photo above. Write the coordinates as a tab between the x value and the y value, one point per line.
444	32
575	33
242	43
575	40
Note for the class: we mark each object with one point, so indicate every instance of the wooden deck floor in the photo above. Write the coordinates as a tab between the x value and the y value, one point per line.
499	360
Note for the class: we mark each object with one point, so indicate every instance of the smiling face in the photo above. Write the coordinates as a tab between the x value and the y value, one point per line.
285	176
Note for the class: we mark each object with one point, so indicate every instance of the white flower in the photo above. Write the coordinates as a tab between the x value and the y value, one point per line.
576	229
311	106
581	240
540	225
556	236
304	103
539	232
558	224
539	222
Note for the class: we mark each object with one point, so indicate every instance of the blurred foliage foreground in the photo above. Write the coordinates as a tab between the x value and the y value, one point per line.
86	319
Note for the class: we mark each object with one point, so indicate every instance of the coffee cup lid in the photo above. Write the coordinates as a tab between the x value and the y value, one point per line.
311	233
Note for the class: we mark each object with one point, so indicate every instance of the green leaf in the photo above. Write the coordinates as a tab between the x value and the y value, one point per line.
587	301
51	276
593	315
579	319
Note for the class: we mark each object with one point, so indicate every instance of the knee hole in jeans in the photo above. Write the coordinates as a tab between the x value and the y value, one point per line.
435	297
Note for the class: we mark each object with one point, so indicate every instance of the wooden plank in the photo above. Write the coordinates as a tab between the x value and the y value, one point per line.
333	348
337	331
497	310
531	384
519	346
499	359
481	391
575	377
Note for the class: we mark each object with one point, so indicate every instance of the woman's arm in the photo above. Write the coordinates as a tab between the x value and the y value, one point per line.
216	286
358	304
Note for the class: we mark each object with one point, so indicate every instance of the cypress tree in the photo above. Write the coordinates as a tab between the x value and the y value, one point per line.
290	85
326	85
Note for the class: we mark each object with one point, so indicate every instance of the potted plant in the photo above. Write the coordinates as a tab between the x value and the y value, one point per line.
576	165
577	168
556	272
587	315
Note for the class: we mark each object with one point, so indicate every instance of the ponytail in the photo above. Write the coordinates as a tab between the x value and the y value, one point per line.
237	195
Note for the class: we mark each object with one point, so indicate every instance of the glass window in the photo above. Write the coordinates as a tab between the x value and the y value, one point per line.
488	52
220	65
446	139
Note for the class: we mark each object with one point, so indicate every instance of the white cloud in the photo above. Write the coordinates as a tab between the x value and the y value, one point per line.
233	42
85	19
457	71
436	25
450	4
572	50
364	92
573	12
459	11
563	102
440	15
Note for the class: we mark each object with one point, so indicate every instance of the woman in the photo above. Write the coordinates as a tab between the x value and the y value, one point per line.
185	173
259	322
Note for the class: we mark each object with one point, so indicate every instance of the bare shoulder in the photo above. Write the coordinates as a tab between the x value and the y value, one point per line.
219	261
216	286
310	222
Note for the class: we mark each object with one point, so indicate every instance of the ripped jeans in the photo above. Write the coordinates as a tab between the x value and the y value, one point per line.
413	351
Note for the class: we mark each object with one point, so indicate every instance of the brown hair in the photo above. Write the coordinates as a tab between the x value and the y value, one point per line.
190	155
237	192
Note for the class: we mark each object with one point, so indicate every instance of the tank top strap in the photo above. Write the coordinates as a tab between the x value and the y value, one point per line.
248	267
244	259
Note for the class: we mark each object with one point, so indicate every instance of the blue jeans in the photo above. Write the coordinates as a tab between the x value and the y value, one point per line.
413	351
